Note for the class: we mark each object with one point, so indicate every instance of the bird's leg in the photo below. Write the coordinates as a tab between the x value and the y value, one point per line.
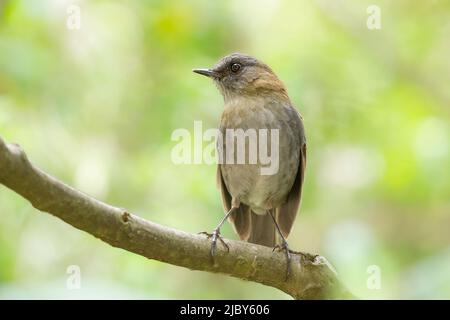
284	246
216	233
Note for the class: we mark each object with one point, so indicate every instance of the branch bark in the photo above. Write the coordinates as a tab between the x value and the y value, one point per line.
312	277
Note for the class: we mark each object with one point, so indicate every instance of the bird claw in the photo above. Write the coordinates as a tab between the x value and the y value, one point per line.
214	236
284	247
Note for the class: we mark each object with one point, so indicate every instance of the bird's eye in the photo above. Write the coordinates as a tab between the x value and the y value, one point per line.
235	67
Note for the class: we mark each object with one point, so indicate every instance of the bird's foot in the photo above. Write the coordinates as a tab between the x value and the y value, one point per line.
284	247
214	236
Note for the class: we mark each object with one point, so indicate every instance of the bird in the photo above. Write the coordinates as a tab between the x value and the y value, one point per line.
261	208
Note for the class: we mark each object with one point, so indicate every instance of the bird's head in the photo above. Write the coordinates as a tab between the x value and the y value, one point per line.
239	75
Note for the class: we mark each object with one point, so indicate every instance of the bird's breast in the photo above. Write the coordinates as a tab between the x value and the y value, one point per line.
246	181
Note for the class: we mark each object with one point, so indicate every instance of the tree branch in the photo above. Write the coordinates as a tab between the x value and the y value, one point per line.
311	277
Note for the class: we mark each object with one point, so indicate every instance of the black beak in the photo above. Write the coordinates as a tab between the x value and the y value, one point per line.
207	72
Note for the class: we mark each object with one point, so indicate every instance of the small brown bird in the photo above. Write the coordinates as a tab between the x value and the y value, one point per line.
259	206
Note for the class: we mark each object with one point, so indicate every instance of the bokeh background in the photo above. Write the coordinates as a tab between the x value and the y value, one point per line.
96	107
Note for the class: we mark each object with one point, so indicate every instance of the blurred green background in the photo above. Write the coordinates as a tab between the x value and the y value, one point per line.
96	107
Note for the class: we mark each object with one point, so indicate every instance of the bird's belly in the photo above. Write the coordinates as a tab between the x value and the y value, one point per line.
259	192
245	181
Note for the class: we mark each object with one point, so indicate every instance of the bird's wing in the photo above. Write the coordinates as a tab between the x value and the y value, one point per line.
241	218
287	212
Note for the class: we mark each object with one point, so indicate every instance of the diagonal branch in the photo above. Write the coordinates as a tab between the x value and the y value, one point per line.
311	277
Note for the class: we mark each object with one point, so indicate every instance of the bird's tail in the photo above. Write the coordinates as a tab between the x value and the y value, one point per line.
263	230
